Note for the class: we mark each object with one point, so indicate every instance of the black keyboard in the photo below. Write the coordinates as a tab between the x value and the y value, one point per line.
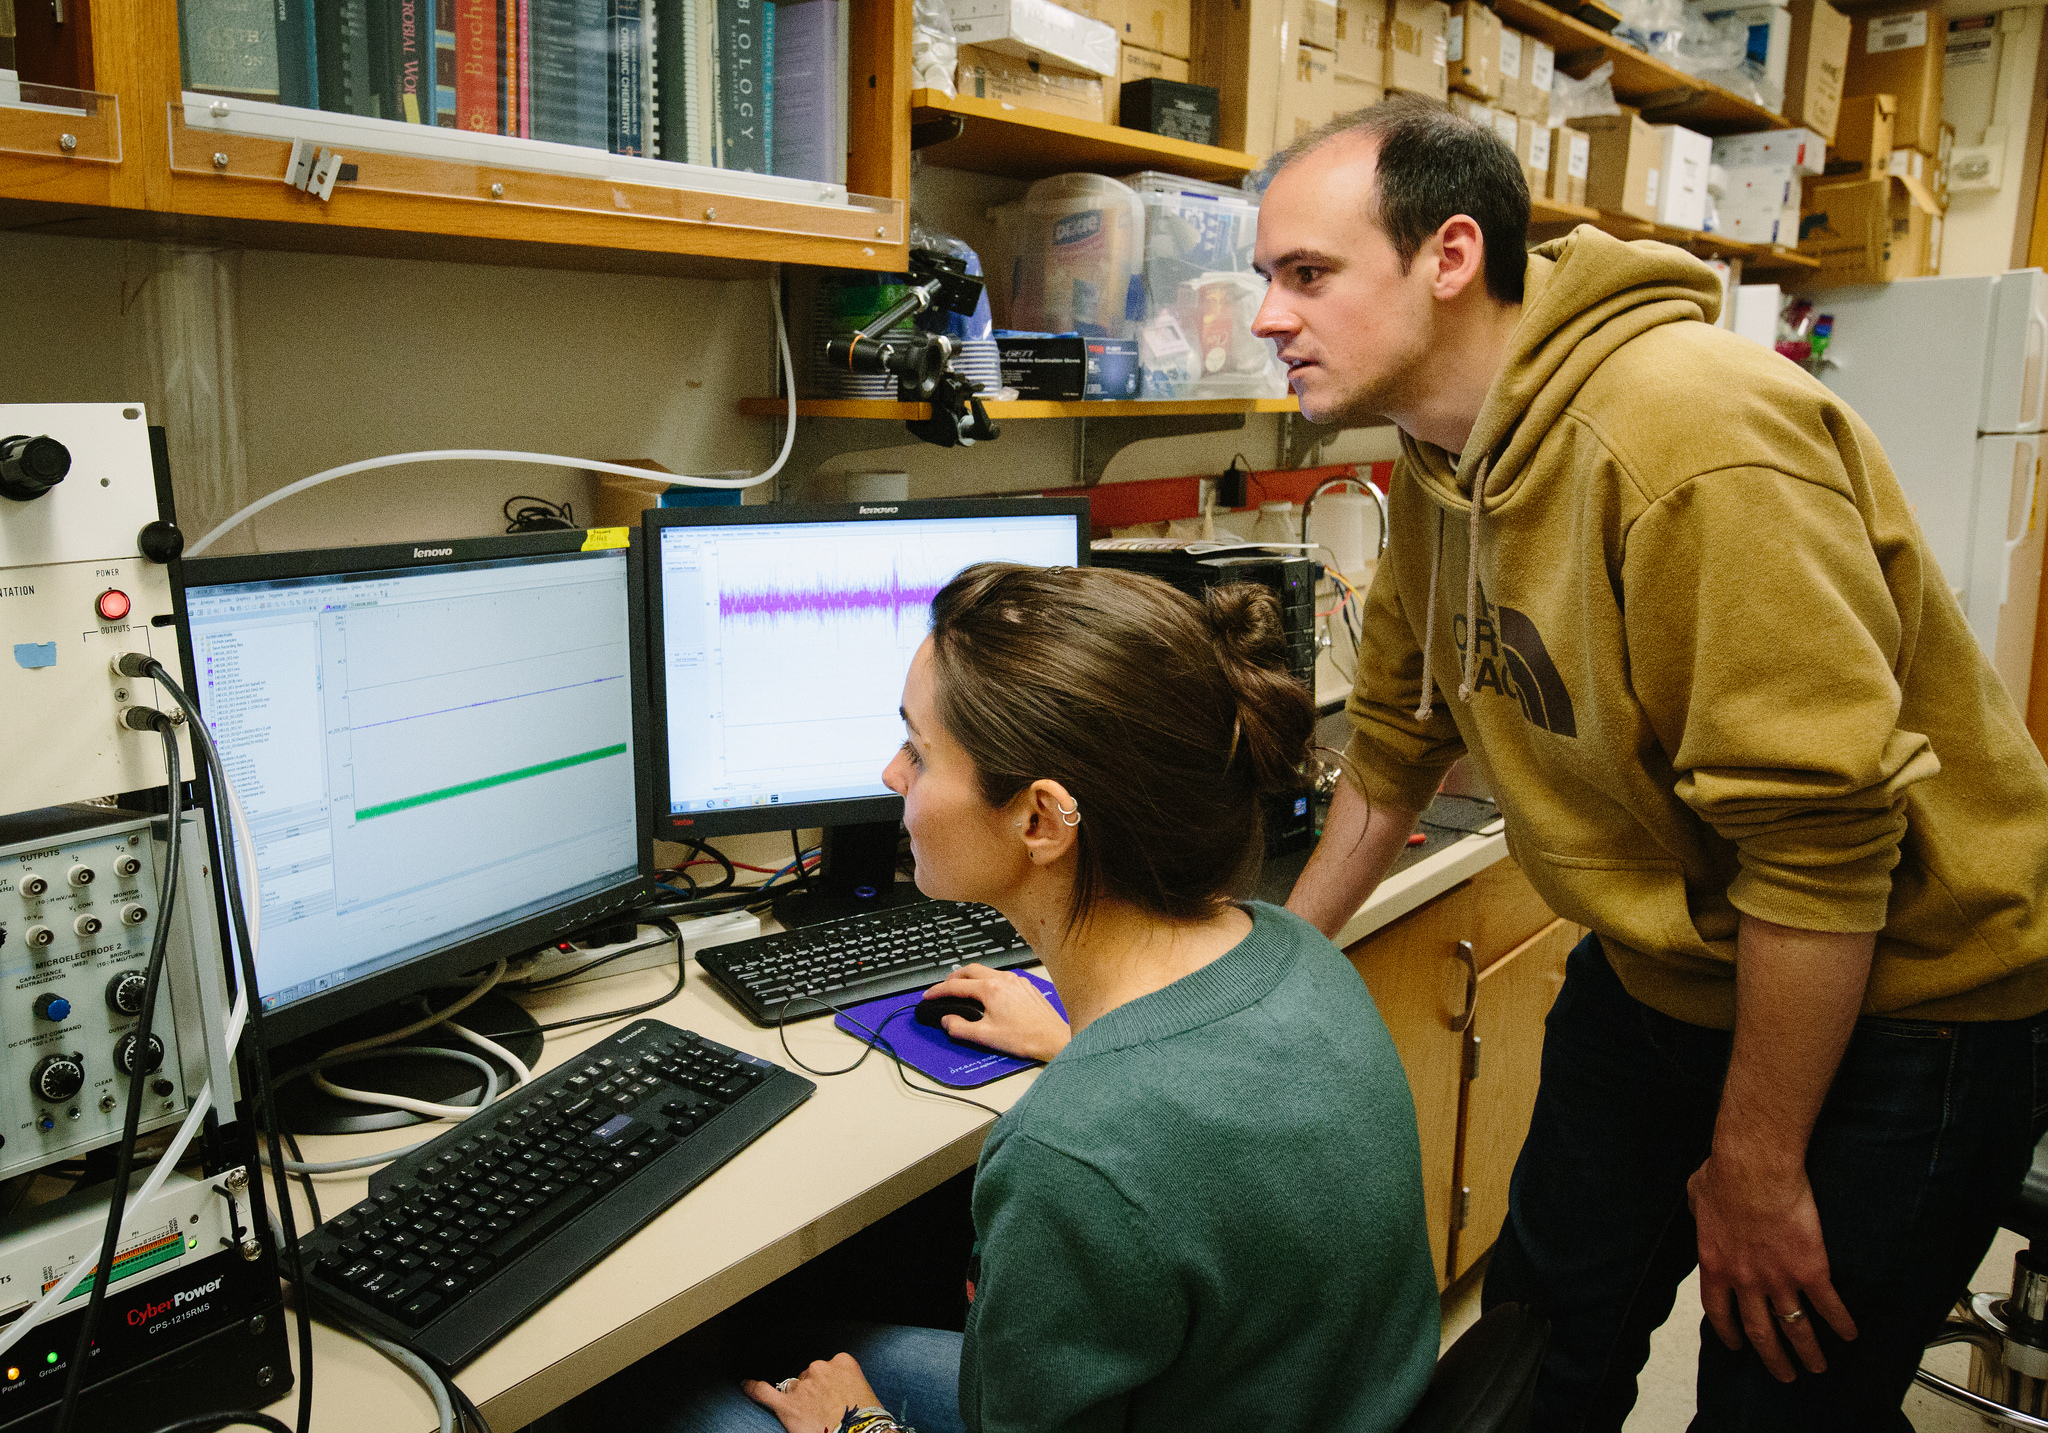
860	957
463	1238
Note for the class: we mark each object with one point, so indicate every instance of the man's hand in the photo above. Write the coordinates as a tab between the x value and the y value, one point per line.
1017	1019
819	1396
1797	993
1761	1257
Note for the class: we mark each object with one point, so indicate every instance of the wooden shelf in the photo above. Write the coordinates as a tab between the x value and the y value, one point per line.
1708	246
880	408
998	138
132	53
1664	93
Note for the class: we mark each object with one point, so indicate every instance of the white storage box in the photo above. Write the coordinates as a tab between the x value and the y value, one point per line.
1682	192
1802	149
1037	30
1197	234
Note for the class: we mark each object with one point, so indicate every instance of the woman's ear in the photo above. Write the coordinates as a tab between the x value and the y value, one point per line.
1049	819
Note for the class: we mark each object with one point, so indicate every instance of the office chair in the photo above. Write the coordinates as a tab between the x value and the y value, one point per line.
2009	1338
1485	1381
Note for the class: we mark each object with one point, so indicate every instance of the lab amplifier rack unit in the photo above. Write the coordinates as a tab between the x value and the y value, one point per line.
85	536
79	893
193	1321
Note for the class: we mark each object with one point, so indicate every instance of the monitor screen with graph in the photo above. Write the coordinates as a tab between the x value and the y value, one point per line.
783	633
441	750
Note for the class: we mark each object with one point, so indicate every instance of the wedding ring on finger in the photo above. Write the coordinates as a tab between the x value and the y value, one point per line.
1792	1318
785	1385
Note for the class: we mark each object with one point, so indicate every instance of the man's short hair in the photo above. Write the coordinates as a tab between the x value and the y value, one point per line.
1433	164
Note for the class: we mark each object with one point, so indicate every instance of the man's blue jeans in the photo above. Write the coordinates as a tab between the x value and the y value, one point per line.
1921	1146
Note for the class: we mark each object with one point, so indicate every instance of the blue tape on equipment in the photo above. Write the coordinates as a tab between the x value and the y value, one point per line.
35	654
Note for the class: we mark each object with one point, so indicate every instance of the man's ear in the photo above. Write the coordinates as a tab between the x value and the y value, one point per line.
1460	256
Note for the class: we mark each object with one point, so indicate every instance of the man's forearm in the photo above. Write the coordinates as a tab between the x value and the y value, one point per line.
1797	995
1359	843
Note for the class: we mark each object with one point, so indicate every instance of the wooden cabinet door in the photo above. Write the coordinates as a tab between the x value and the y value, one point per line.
1418	983
1504	1055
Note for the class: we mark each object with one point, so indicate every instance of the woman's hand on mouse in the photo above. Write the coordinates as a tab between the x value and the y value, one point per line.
817	1398
1019	1020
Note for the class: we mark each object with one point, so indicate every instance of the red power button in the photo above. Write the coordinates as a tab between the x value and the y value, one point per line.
113	605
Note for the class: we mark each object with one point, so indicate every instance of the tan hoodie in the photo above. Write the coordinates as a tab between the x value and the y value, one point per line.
1715	668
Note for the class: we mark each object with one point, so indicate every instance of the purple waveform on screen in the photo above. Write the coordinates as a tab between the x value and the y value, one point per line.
891	596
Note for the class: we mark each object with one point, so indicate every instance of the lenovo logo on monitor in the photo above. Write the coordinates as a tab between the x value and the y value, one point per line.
433	552
874	512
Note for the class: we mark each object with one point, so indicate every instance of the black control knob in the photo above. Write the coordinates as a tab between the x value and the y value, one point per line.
58	1077
124	992
30	467
160	541
124	1055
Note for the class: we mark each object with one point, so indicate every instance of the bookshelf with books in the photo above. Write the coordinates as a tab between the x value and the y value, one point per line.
556	132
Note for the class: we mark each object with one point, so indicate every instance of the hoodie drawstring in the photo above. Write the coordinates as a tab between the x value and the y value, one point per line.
1436	554
1472	581
1471	598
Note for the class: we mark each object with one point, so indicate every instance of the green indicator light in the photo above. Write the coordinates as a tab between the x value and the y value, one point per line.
53	1356
191	1243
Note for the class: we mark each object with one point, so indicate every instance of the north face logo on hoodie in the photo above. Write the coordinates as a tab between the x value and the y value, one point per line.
1514	662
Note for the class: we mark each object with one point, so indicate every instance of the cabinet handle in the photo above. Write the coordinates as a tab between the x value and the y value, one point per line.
1463	950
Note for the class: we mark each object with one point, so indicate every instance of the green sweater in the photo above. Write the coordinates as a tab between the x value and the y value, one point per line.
1207	1213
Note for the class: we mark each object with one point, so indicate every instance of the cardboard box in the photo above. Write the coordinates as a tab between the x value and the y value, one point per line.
1356	92
1417	47
1165	27
1570	160
1028	84
1313	23
1542	63
1472	50
1816	66
1800	149
1514	63
1507	127
1037	30
1362	40
1901	52
1309	100
1911	164
1064	366
1532	147
1683	157
1869	231
1622	173
1863	145
1476	110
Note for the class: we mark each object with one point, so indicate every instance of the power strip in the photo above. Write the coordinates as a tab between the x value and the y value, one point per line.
650	949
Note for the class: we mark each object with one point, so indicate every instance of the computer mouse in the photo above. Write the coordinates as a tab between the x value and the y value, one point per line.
932	1013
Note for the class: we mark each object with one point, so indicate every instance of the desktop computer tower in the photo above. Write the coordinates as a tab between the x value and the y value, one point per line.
1288	816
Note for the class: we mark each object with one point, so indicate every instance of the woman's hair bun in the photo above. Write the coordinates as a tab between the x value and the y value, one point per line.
1275	712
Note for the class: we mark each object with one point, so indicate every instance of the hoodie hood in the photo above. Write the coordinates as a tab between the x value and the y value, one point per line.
1584	296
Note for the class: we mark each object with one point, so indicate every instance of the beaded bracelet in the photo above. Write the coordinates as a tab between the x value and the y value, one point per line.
870	1420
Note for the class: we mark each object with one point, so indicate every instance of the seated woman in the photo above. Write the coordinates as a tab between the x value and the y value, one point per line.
1207	1211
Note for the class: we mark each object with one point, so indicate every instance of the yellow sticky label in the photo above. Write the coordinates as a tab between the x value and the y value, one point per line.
412	109
599	538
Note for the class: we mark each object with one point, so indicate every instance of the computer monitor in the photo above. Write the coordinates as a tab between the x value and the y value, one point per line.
782	635
443	753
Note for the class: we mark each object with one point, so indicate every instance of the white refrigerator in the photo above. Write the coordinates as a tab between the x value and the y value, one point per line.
1952	376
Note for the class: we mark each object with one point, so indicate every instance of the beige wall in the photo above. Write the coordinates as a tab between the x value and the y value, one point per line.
1995	108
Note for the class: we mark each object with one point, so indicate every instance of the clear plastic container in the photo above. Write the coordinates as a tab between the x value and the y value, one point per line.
1073	258
1199	239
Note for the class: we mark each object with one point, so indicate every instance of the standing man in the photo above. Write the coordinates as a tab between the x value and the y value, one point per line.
1665	590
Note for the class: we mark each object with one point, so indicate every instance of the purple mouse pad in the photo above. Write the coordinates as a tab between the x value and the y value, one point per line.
934	1052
